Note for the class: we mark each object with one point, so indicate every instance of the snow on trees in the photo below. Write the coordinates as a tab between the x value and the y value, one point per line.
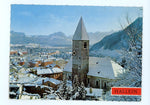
64	90
131	61
63	87
133	56
76	87
79	92
75	92
82	92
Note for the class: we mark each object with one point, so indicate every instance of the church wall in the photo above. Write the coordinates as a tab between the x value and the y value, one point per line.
97	82
80	59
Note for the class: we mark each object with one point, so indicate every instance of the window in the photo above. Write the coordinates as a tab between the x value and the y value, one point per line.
42	82
85	45
73	53
96	83
88	80
79	67
104	85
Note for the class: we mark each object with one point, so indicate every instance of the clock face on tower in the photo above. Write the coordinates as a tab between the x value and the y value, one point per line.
74	53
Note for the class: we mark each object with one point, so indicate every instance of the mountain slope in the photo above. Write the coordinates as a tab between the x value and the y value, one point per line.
97	36
55	39
118	40
114	44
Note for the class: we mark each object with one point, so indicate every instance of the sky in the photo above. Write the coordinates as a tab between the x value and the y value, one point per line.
47	19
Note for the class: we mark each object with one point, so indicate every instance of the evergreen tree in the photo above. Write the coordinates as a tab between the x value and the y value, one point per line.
63	87
82	92
76	88
79	92
68	94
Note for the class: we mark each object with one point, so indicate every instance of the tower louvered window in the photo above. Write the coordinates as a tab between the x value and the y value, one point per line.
85	45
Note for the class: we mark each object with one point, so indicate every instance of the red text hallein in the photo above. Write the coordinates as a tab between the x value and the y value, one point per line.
125	91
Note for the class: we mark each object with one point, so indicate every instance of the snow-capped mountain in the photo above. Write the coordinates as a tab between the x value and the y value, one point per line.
55	39
112	44
104	40
97	36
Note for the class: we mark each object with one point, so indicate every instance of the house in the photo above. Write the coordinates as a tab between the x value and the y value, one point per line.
26	95
53	53
20	53
22	63
94	72
52	66
55	73
61	62
34	64
13	52
33	88
51	82
24	52
46	62
13	88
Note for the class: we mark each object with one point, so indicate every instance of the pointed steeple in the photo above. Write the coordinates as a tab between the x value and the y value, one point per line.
80	33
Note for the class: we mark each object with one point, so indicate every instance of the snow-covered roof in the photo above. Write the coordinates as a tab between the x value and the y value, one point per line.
35	68
36	85
49	71
100	67
29	94
26	95
80	33
20	53
23	70
50	96
12	93
51	65
32	75
12	78
34	62
25	80
117	69
68	66
47	60
95	92
13	85
52	80
30	85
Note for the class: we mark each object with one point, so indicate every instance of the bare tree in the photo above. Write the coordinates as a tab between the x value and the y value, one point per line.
132	57
131	61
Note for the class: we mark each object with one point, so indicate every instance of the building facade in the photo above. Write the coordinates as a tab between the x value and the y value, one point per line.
94	72
80	53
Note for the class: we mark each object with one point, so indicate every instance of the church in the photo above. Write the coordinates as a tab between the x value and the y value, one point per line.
94	72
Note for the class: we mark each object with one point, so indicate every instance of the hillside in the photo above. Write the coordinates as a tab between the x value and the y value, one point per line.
113	43
97	36
55	39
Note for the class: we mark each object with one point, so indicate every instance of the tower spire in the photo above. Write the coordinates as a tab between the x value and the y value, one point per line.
80	33
80	53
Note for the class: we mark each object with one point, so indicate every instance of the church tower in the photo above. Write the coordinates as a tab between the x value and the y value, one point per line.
80	53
